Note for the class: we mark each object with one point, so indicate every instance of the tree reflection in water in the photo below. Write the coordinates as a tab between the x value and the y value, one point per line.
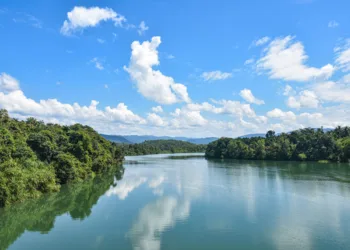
39	215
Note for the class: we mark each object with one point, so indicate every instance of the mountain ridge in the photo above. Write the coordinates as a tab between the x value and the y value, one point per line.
131	139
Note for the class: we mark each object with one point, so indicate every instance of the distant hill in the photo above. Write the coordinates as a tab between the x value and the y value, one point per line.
116	139
205	140
252	135
130	139
161	147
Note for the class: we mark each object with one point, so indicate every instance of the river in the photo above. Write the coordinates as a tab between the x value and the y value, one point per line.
184	201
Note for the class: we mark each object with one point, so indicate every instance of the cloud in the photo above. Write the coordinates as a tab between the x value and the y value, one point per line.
126	186
154	219
288	90
97	63
333	91
333	24
284	59
156	120
188	120
215	75
247	95
249	61
261	41
343	56
101	41
122	113
315	93
157	109
170	56
142	28
81	17
157	181
246	124
184	118
205	106
234	108
122	120
151	83
305	99
277	113
8	83
14	100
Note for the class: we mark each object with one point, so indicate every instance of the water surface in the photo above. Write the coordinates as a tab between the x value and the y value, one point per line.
183	201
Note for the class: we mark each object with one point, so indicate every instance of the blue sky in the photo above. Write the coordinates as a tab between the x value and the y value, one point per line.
190	68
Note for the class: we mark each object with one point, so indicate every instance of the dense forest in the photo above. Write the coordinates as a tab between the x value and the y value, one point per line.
37	158
301	145
161	147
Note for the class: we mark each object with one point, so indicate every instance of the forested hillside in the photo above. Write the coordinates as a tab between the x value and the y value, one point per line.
129	139
36	158
161	146
301	145
116	138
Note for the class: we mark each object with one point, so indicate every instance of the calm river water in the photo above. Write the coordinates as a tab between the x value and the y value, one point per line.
184	201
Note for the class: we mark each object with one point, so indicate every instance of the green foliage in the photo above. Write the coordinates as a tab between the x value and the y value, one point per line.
160	147
36	158
300	145
302	156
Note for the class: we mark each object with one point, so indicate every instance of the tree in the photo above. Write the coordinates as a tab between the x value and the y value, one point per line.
270	134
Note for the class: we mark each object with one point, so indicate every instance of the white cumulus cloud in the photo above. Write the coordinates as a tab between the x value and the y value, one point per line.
247	95
285	59
81	17
8	83
333	91
184	118
157	109
277	113
15	101
156	120
151	83
305	99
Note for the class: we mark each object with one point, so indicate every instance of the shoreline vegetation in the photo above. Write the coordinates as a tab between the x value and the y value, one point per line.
37	158
161	147
301	145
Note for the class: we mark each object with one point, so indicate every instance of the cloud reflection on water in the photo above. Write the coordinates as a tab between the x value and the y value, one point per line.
286	205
